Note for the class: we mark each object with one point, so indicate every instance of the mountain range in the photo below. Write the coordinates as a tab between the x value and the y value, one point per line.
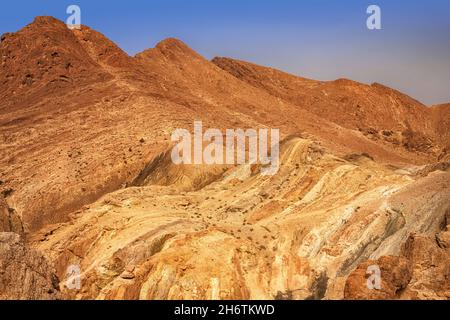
86	178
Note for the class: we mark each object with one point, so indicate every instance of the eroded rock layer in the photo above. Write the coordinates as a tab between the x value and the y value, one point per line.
298	234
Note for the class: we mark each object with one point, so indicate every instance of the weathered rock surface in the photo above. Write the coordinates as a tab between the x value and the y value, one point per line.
86	178
395	272
24	273
298	234
422	271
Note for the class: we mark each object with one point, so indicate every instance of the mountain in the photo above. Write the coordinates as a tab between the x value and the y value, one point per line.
25	273
377	111
87	177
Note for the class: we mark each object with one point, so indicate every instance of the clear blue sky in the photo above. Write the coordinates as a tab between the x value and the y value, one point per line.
320	39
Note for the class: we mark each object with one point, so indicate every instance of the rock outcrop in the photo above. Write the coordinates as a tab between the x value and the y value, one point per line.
298	234
421	271
9	219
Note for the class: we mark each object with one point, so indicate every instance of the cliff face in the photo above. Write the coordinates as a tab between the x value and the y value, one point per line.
87	178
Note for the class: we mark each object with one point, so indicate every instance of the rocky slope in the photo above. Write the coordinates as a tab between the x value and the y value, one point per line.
379	112
86	178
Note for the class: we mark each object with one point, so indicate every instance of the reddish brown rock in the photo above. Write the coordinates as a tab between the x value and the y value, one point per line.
422	272
396	273
9	219
430	260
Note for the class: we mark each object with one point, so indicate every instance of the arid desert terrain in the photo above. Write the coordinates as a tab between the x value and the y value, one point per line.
87	180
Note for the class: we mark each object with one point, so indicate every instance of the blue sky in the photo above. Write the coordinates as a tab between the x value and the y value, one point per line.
320	39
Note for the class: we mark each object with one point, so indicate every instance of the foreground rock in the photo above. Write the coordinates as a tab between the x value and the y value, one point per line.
24	273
